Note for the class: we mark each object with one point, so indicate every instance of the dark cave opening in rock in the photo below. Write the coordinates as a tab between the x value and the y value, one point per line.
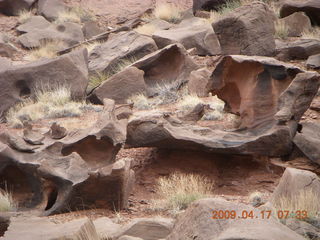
16	182
52	198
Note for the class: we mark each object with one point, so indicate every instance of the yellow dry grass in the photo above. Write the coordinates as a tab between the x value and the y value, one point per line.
146	29
6	201
179	190
48	49
167	12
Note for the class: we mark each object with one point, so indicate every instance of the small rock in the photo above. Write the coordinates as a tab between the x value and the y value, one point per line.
57	131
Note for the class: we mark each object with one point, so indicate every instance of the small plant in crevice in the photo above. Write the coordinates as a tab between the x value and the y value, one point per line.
281	30
188	102
47	49
140	101
24	16
7	203
146	29
313	33
96	79
76	15
179	190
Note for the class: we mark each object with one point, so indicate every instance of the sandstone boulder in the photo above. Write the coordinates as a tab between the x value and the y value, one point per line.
299	49
148	229
310	7
35	228
78	171
13	7
120	86
69	33
303	228
269	96
248	30
20	81
308	140
197	223
313	61
198	82
5	64
125	46
50	9
293	181
191	33
296	23
168	66
207	5
35	23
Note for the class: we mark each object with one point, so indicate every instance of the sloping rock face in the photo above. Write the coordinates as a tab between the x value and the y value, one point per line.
299	49
293	181
313	61
171	65
296	24
310	7
50	9
35	228
33	24
20	81
69	33
75	172
122	47
196	222
207	5
13	7
308	141
269	96
247	30
120	86
191	33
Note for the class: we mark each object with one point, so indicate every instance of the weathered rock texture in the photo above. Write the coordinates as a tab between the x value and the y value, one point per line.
269	96
313	62
120	86
20	81
124	47
168	66
191	33
69	33
78	171
310	7
13	7
308	141
6	48
50	9
247	30
196	222
296	23
299	49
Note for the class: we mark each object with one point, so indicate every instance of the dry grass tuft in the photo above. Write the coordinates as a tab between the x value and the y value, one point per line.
146	29
305	200
168	12
76	15
24	16
48	49
140	101
179	190
312	34
281	30
6	201
92	45
48	103
96	79
188	102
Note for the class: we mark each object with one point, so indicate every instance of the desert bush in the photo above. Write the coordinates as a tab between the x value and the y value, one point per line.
24	16
96	79
189	102
281	30
305	200
76	15
48	103
167	12
179	190
314	33
6	201
146	29
140	101
48	49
